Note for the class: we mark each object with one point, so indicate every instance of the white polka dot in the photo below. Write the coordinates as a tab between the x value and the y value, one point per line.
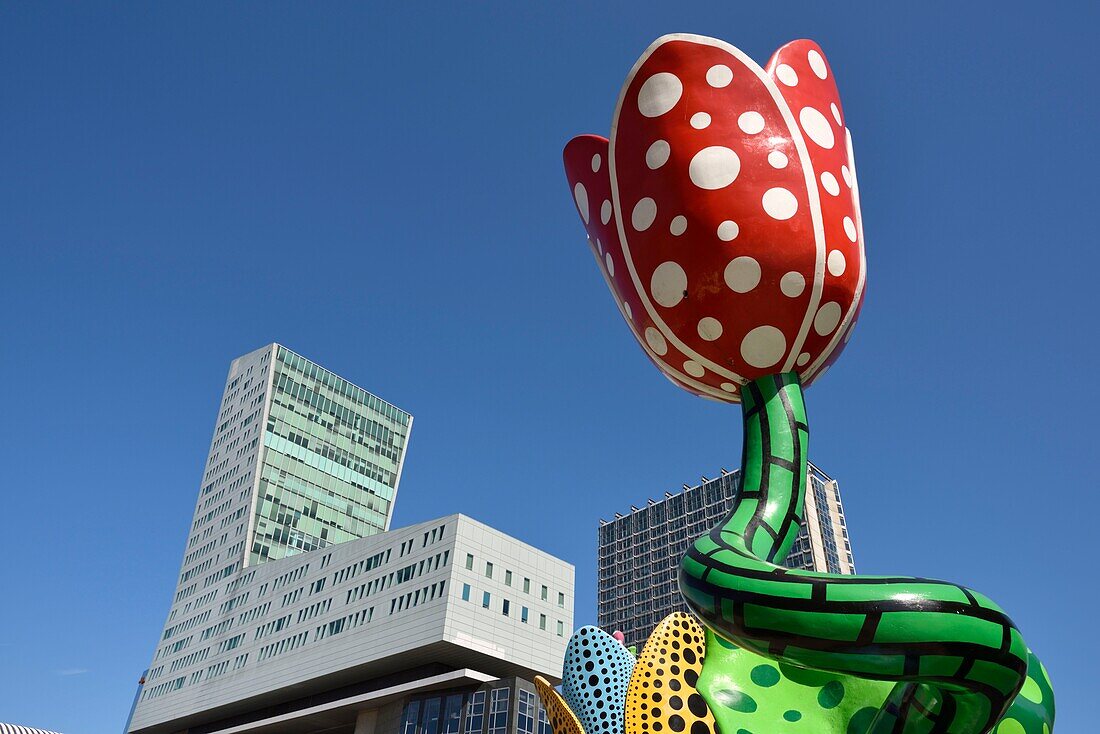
605	211
659	94
779	203
742	274
610	264
763	346
847	175
792	284
694	369
719	76
709	328
750	122
803	359
581	197
655	341
850	228
596	160
829	183
777	159
728	387
657	154
817	64
678	225
837	263
728	230
828	316
714	168
836	114
816	127
700	120
786	75
668	284
626	309
645	211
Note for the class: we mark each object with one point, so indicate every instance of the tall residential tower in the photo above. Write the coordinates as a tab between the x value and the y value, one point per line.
640	552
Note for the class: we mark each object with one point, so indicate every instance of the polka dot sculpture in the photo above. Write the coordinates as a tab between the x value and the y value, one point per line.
724	216
662	697
724	213
689	680
561	717
594	679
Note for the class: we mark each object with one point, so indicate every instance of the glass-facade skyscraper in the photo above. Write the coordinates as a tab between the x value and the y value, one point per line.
300	459
640	552
330	462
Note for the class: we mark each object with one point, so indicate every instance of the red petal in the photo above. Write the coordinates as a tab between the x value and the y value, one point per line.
586	169
734	289
806	80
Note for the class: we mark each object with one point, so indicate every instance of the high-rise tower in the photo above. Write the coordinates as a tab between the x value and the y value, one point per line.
300	459
640	552
299	608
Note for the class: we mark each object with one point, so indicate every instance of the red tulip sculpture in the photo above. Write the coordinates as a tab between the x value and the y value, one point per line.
724	213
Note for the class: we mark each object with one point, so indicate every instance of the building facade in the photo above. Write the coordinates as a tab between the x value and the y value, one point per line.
297	608
441	605
639	553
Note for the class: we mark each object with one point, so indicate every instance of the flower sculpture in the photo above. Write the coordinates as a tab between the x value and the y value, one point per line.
724	214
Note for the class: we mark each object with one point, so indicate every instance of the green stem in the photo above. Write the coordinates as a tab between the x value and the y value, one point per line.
956	656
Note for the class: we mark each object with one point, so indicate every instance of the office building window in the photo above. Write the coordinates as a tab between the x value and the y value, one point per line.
544	722
526	586
452	714
469	561
523	615
465	592
545	591
506	607
430	724
485	600
507	578
525	723
475	712
489	569
409	716
542	621
561	599
498	711
561	628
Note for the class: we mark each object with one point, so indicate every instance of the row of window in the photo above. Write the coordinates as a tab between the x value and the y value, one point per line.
341	386
465	713
489	570
506	609
381	583
400	603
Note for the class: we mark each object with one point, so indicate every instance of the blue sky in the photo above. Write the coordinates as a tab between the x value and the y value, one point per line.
381	190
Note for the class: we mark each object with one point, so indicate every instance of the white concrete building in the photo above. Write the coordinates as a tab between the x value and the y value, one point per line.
448	602
298	610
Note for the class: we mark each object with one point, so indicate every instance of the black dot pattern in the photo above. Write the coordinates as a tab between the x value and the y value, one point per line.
594	680
561	719
662	698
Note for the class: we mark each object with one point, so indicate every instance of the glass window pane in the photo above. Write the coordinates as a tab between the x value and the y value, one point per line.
409	716
430	724
475	713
